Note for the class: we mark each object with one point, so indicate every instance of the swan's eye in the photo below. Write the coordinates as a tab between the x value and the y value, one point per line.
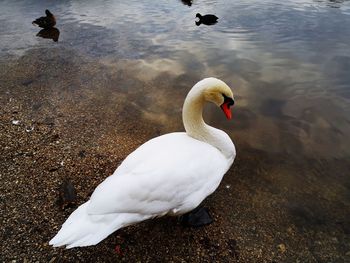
227	100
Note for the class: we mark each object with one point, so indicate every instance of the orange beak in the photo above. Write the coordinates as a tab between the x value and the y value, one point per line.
226	109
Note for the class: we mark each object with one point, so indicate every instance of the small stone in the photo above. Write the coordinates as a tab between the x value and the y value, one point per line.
228	186
68	194
15	122
82	153
282	248
29	129
118	250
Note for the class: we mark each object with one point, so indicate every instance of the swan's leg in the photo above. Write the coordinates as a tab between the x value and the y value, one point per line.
197	217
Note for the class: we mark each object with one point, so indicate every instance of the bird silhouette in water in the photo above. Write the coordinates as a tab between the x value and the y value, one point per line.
206	19
187	2
48	21
50	33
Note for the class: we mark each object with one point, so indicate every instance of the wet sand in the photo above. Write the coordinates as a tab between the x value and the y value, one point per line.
66	116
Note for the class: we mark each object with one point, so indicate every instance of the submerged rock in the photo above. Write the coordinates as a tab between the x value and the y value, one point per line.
67	194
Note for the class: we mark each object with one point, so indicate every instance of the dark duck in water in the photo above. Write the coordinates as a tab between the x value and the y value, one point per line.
47	21
206	19
187	2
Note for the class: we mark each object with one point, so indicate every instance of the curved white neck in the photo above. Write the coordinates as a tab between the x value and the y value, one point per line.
198	129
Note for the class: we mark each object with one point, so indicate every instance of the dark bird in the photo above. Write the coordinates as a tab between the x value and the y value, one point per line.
47	21
187	2
206	19
50	33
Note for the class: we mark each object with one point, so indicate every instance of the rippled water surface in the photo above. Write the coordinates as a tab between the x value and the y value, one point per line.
288	63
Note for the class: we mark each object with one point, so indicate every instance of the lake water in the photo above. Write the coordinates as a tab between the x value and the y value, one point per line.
287	62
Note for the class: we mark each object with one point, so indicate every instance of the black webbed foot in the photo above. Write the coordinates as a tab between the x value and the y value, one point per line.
196	218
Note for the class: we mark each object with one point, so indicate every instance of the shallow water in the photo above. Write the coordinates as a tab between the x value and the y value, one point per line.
287	63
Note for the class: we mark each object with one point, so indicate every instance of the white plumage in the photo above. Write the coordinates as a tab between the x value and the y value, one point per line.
170	174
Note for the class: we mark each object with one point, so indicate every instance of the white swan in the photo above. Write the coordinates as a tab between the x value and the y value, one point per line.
168	175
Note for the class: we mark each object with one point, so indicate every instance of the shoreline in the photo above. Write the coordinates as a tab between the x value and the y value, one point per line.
269	207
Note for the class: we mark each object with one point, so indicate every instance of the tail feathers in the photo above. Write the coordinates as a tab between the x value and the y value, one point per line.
82	229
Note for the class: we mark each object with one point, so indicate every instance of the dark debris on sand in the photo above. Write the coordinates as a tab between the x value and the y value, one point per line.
64	116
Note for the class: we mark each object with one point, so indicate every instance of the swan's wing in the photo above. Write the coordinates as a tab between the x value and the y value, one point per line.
163	174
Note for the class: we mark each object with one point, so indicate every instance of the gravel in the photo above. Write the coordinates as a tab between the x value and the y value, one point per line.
65	116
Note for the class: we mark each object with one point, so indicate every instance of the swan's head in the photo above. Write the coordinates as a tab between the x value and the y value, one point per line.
219	93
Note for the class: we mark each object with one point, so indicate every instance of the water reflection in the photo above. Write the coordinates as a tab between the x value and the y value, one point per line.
49	33
332	3
285	61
